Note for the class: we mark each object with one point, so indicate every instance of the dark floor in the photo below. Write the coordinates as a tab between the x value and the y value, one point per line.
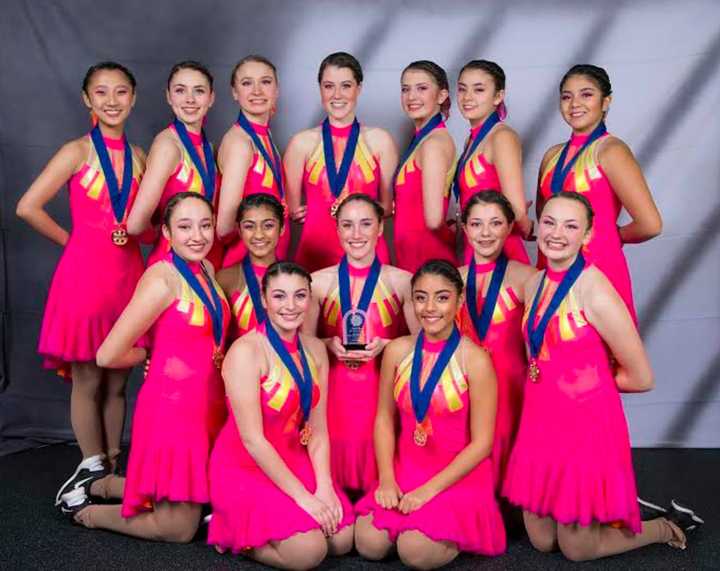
34	536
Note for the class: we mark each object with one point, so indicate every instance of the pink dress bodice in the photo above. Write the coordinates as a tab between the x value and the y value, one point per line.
318	246
185	178
605	247
245	318
260	178
478	175
414	241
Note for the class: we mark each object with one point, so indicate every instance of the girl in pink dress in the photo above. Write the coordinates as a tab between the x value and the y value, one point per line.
492	157
260	218
435	496
603	169
492	313
180	158
325	164
180	407
272	492
424	175
571	467
247	157
382	293
102	171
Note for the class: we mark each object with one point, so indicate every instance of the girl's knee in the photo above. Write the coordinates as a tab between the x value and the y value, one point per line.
575	545
543	542
370	542
342	542
310	553
417	551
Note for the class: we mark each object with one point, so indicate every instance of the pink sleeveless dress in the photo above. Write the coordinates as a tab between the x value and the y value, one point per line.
466	513
245	318
353	393
477	176
572	459
605	247
504	342
180	407
414	241
185	178
249	510
319	246
259	178
84	302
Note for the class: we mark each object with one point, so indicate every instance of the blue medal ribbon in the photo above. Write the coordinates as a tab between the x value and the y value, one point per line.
304	380
368	287
119	196
273	162
421	397
470	148
207	174
561	172
337	178
482	321
416	140
253	286
537	334
214	306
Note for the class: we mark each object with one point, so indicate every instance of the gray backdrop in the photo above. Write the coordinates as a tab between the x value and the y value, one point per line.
662	56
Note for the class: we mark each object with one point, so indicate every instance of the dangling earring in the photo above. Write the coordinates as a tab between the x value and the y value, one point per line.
93	118
502	111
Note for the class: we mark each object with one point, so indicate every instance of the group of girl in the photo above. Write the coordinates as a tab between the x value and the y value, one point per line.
364	404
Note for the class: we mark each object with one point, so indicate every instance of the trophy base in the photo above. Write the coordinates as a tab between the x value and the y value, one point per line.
354	346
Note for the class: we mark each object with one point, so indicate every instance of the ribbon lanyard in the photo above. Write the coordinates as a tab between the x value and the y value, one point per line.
561	172
207	175
253	286
273	163
368	287
470	148
482	321
214	307
303	381
337	178
421	397
118	195
416	140
537	334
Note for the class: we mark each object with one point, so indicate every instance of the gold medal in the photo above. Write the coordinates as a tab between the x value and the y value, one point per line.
119	236
305	434
352	365
534	371
218	357
420	437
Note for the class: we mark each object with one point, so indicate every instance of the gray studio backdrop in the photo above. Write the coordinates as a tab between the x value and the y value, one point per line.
662	56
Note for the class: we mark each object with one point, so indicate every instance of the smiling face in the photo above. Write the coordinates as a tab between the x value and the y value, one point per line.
110	96
582	103
486	229
477	97
339	92
436	302
286	300
255	89
358	229
562	231
260	231
420	95
190	97
191	230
